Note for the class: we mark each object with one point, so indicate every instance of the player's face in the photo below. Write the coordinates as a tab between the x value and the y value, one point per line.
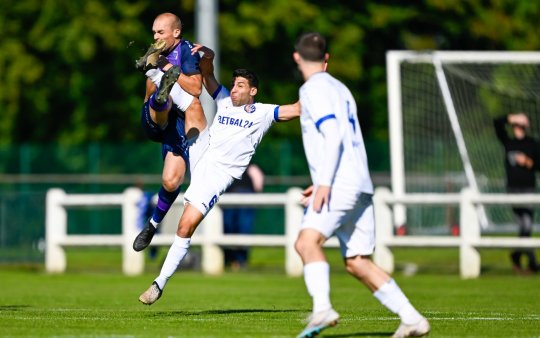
163	30
241	92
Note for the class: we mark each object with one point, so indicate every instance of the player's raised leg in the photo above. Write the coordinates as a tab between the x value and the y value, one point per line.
174	168
174	165
191	218
196	122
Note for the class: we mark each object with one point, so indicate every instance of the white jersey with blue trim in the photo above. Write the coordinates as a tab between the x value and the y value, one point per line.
322	98
237	131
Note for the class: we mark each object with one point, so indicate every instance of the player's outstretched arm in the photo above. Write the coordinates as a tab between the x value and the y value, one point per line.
207	67
289	111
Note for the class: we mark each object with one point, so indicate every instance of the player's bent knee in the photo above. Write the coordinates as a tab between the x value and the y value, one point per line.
304	247
298	246
189	221
172	183
185	232
358	266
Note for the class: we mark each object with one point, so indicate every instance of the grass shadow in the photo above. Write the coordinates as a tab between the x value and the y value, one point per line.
162	314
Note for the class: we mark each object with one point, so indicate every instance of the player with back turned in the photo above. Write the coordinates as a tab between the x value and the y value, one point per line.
340	200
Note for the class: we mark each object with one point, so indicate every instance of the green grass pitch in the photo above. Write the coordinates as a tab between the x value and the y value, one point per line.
93	299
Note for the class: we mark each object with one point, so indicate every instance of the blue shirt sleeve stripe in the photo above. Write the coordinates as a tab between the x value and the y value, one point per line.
215	94
324	118
276	114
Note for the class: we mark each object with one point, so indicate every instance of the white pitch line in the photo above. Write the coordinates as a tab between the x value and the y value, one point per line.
507	317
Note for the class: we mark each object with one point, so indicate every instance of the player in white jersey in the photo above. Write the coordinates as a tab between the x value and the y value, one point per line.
236	131
339	201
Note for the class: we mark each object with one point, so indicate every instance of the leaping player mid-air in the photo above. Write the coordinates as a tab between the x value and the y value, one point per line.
237	130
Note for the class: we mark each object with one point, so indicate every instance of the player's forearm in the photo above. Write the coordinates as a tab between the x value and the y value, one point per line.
191	84
210	83
289	111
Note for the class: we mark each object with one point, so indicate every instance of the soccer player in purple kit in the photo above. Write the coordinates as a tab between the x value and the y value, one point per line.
172	113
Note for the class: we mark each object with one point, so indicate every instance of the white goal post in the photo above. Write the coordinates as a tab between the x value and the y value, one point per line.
441	106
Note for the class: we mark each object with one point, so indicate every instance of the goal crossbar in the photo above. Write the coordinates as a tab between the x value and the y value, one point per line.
447	99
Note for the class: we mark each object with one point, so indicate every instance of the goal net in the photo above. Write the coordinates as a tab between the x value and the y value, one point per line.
441	111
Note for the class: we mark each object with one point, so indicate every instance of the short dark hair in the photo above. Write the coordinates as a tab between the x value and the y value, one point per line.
252	78
311	46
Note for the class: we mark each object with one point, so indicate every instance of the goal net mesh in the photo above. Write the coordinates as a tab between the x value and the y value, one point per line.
480	92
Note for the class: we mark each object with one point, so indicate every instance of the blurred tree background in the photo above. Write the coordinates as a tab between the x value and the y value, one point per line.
67	75
71	98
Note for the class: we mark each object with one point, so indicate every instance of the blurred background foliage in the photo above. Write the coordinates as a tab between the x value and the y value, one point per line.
67	75
70	97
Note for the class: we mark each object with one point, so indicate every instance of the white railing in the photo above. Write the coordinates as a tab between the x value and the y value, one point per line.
209	235
211	238
470	238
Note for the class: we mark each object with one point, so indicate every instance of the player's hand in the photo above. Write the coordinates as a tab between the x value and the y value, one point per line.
206	65
322	197
306	194
207	53
163	63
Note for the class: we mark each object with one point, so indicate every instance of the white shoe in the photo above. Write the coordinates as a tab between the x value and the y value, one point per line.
318	322
419	329
150	296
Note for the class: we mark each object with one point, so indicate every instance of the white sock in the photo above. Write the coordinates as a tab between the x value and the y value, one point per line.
155	76
391	296
176	254
180	97
317	279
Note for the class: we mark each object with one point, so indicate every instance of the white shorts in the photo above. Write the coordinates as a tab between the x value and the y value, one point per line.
354	228
207	184
197	147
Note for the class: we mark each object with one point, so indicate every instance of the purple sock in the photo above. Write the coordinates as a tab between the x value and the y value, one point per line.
154	104
165	200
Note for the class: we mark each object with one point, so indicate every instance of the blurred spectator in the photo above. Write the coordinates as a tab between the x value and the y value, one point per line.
241	220
521	161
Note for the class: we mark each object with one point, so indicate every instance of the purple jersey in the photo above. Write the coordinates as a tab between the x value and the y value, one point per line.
181	56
